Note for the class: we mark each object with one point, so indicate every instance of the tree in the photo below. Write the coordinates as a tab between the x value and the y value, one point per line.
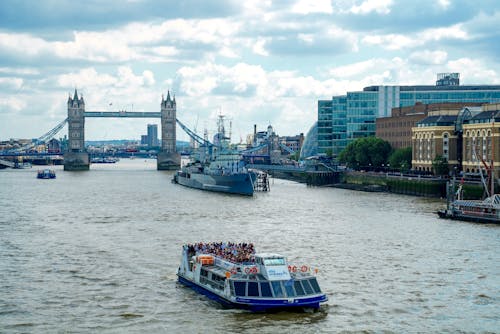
440	165
295	156
364	152
401	159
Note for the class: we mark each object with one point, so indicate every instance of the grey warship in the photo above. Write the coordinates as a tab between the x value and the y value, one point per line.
217	167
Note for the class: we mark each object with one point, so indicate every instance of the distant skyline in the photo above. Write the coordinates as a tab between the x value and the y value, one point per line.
257	62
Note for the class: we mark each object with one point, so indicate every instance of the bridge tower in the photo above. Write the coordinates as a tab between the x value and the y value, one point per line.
168	158
76	157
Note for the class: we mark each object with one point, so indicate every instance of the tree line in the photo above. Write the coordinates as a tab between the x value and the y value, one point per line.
374	153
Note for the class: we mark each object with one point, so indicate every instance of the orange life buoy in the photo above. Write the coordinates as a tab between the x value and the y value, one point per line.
289	268
247	270
253	270
294	268
233	271
304	269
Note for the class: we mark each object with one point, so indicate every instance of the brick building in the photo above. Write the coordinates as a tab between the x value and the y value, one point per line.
397	129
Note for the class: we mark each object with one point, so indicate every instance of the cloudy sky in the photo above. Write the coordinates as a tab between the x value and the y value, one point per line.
257	62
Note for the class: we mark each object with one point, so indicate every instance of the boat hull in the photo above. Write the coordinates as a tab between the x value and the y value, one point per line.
240	184
447	214
257	305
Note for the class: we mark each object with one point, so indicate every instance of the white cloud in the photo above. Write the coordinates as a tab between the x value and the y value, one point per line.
399	41
312	6
369	6
259	47
23	44
87	77
19	71
390	41
131	42
473	71
11	83
11	104
427	57
455	31
444	3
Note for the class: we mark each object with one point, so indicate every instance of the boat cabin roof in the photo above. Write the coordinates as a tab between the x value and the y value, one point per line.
269	256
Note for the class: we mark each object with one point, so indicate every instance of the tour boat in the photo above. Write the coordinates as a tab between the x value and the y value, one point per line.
46	174
263	283
479	211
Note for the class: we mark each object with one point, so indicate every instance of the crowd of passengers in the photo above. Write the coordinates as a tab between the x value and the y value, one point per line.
234	252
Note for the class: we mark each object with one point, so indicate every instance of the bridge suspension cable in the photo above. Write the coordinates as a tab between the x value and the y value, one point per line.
44	138
286	148
198	139
253	149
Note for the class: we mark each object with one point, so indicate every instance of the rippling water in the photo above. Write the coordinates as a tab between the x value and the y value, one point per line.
97	251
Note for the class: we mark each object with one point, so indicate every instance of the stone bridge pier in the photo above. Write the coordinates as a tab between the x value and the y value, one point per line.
168	158
76	157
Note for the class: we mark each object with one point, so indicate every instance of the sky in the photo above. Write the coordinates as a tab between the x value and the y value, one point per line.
255	62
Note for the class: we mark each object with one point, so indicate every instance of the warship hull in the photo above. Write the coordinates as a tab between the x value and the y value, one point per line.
241	184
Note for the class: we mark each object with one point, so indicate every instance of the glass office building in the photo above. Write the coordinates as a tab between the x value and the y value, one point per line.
348	117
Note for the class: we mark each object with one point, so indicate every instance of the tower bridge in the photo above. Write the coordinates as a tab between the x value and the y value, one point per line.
77	158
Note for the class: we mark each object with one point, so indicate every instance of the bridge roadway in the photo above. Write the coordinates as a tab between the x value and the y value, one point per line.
28	154
118	114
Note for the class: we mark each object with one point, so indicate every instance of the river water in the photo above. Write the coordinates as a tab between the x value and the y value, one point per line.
97	251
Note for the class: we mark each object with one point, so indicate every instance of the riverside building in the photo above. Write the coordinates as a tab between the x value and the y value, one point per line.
467	139
348	117
397	129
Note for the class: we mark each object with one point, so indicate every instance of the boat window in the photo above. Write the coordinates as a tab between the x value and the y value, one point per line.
314	285
253	289
231	286
204	273
265	289
278	291
274	262
290	292
298	288
240	289
307	287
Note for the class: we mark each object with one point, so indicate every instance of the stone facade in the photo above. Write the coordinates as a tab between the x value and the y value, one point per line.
470	140
429	142
76	158
168	158
481	141
76	124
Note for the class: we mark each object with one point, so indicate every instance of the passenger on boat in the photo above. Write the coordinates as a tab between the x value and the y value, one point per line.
234	252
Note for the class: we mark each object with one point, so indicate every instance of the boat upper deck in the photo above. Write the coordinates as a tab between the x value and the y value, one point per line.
235	253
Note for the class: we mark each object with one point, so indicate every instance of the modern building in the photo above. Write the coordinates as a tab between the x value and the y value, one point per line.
310	144
348	117
397	129
153	135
